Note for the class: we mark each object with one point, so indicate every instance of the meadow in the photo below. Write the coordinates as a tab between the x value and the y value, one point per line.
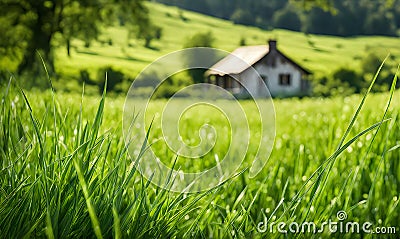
66	171
320	54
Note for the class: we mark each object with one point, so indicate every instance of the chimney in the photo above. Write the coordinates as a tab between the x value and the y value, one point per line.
272	44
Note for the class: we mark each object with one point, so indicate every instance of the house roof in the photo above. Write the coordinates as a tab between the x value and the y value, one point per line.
242	58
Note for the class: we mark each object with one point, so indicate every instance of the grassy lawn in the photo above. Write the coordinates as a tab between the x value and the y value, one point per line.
66	173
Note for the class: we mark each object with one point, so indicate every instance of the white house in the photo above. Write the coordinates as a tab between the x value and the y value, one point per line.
282	75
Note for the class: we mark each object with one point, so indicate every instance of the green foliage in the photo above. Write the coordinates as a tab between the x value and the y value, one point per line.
370	62
148	80
242	41
200	39
113	77
287	18
130	56
241	16
349	78
33	26
171	85
333	17
345	81
380	23
148	32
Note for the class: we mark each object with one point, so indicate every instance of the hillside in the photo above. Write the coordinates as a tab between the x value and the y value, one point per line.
333	17
320	54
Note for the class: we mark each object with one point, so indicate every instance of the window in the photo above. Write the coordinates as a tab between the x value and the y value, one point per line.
220	81
264	79
227	82
285	79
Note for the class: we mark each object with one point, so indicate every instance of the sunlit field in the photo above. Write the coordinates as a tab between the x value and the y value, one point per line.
66	172
115	48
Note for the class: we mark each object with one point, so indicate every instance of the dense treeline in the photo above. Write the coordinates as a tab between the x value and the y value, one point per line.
343	18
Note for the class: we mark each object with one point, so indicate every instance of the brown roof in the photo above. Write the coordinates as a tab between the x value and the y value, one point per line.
242	58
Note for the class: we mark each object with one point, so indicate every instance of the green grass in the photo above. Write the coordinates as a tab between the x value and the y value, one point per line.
320	54
65	170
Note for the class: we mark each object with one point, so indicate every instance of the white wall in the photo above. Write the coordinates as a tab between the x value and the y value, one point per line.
252	80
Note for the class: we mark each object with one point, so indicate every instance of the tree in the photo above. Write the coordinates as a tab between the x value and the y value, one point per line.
380	23
350	77
287	18
114	77
201	39
149	33
319	21
31	26
241	16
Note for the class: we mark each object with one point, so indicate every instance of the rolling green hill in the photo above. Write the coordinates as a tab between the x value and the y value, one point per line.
320	54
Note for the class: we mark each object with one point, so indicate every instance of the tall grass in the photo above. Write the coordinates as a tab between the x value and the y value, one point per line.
62	177
66	171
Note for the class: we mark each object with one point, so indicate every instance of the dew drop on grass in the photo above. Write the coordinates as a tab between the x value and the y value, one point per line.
278	143
187	217
181	175
304	178
301	148
346	108
350	149
333	201
395	198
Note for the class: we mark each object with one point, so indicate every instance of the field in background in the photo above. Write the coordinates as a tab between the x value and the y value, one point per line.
321	54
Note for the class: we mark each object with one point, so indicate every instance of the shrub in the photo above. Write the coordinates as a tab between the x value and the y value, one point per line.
200	39
114	78
350	77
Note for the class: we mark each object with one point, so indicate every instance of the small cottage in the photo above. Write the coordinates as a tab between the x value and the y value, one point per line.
282	76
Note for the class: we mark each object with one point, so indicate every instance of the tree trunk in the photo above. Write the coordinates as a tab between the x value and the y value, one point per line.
40	42
31	61
69	47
